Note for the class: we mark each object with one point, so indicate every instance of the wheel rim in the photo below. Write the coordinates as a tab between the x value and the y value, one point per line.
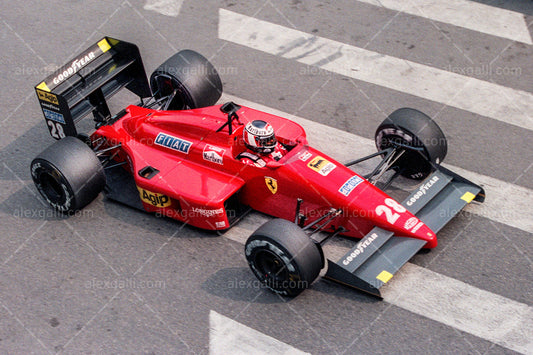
411	160
51	187
164	85
271	268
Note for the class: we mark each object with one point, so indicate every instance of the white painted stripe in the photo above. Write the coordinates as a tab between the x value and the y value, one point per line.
471	94
506	203
164	7
227	336
492	317
468	14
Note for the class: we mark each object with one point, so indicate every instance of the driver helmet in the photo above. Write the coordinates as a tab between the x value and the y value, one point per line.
259	136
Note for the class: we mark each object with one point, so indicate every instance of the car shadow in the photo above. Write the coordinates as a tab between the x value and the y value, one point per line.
239	284
26	203
153	221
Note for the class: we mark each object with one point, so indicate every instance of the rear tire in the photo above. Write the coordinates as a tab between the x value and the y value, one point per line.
413	128
192	75
68	175
283	257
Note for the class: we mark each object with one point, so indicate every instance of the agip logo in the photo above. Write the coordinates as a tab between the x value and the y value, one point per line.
153	198
46	96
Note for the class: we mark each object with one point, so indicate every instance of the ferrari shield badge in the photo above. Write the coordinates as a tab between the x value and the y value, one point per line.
272	184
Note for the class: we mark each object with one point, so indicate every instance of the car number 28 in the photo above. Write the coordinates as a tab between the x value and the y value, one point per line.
391	206
56	129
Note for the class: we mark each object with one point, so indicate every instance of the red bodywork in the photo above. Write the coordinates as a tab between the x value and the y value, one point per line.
199	177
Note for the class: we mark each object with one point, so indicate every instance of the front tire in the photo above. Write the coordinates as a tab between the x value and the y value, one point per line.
283	257
68	175
413	128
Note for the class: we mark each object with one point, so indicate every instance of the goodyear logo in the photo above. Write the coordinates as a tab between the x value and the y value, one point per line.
76	65
350	185
153	198
46	96
53	116
171	142
321	165
360	248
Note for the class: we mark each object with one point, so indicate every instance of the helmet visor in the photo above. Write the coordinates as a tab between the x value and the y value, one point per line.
266	142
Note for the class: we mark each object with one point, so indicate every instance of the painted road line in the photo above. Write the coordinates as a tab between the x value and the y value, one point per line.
443	299
506	203
481	97
164	7
467	14
452	302
227	336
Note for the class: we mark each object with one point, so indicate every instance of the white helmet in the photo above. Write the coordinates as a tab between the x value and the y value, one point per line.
259	136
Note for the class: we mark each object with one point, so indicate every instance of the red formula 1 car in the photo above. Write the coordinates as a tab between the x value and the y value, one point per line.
176	154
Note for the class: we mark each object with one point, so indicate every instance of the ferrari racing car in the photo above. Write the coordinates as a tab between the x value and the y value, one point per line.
179	154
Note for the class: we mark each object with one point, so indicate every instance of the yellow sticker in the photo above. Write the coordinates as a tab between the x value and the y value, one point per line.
321	165
43	86
153	198
46	96
104	45
468	197
272	184
384	276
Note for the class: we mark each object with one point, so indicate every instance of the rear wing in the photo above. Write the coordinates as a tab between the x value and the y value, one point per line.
380	254
85	83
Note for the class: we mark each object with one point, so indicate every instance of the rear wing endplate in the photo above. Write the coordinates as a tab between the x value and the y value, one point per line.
85	83
380	254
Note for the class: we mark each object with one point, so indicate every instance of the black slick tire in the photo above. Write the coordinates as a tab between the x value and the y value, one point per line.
192	75
413	128
283	257
68	175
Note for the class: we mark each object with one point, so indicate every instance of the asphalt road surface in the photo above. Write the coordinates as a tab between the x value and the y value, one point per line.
111	279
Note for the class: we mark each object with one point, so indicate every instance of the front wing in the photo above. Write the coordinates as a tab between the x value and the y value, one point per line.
380	254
